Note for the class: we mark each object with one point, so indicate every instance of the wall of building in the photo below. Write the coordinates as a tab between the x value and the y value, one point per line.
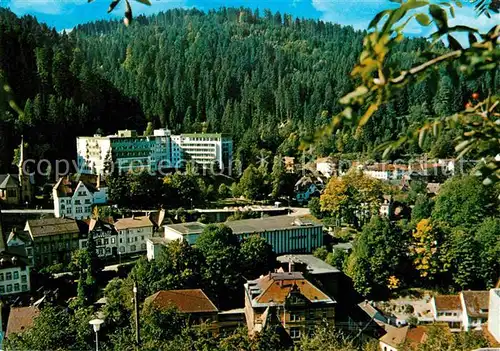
494	314
14	280
133	240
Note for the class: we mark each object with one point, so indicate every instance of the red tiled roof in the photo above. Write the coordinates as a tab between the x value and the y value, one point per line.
276	287
186	301
448	302
21	319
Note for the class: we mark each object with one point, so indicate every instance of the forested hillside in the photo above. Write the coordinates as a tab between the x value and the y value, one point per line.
267	79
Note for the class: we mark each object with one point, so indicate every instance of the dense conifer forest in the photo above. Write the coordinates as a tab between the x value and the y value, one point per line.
268	79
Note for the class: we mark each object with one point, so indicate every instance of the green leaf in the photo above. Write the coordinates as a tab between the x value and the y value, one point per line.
454	44
439	16
377	18
112	5
452	12
145	2
458	3
423	19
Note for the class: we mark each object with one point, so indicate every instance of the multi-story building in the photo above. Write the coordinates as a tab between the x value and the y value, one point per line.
52	240
475	307
289	300
74	196
206	150
127	151
284	233
104	235
14	268
133	234
447	309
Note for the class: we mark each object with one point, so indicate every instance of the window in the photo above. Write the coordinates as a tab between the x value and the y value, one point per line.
29	251
106	241
87	201
295	333
294	317
108	250
1	277
135	239
24	287
132	248
142	237
16	287
2	289
16	275
143	246
84	243
8	276
78	210
113	240
121	240
69	210
24	278
78	202
9	288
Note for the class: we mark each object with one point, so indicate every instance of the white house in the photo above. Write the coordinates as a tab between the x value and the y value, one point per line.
105	237
447	309
14	274
154	246
326	166
133	233
494	314
475	307
75	195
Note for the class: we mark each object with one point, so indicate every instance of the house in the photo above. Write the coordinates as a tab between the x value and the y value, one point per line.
52	240
133	233
154	246
289	299
75	195
326	166
475	307
188	301
17	189
494	314
385	171
104	235
21	319
308	186
447	309
230	320
284	233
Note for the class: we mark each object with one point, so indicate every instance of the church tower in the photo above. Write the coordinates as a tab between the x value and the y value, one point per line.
24	178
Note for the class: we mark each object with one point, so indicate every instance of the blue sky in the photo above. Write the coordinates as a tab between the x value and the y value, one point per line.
65	14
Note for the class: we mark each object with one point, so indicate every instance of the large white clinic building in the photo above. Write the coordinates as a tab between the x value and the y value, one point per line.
126	150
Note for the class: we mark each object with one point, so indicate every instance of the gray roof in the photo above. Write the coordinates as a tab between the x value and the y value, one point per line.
52	226
187	228
314	264
9	181
342	246
156	240
245	226
267	224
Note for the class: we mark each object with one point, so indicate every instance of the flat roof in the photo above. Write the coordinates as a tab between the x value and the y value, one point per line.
256	225
268	224
314	264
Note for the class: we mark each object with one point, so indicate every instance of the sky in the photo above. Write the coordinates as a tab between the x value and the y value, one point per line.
66	14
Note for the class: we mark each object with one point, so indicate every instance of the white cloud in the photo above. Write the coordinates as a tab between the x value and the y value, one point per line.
50	7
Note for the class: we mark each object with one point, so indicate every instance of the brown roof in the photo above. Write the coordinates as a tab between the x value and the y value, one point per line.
447	302
20	319
187	301
476	303
276	287
67	185
133	222
52	226
395	336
